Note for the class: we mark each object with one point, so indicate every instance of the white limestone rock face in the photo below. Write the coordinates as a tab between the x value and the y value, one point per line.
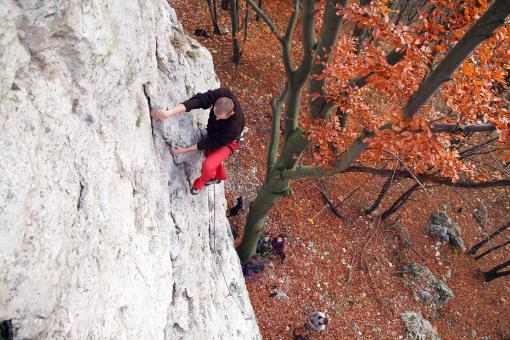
100	238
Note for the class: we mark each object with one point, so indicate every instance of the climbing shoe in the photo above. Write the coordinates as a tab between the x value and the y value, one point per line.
212	181
194	191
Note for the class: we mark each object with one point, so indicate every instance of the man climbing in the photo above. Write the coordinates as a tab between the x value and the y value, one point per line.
224	127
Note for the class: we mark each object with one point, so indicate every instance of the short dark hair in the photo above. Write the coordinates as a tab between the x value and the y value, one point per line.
223	105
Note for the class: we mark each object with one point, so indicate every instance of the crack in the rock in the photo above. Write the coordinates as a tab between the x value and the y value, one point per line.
177	228
80	196
146	93
174	294
212	227
187	173
178	328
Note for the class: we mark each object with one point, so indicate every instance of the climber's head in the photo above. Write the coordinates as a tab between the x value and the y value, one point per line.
223	108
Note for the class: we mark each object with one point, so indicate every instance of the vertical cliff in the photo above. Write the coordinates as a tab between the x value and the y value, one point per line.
100	238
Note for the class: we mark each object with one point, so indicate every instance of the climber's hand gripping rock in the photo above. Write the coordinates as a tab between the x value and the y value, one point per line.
163	114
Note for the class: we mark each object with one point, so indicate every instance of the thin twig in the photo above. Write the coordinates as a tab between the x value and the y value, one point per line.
475	208
369	239
320	211
375	231
379	301
499	164
482	163
353	192
412	174
467	151
351	266
408	245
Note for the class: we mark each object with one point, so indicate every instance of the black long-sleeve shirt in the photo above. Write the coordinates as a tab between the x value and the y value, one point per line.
219	132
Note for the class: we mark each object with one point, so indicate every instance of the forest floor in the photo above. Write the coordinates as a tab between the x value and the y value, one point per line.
350	267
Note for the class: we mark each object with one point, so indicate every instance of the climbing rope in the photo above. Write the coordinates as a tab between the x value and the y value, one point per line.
230	293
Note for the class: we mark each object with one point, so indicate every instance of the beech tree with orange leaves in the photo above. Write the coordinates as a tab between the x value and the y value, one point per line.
364	94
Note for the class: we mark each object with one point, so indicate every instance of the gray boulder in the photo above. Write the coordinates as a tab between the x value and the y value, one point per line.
440	227
417	328
428	288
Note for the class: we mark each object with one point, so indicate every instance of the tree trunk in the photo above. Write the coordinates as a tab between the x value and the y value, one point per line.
274	188
295	140
234	16
214	16
255	221
224	5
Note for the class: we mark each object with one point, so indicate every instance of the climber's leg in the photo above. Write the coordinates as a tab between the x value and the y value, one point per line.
212	167
220	171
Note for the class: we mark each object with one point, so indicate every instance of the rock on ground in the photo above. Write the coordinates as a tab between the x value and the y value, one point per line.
428	288
441	228
417	328
100	236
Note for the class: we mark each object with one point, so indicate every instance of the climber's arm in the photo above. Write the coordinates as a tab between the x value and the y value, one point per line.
198	101
177	150
162	114
204	100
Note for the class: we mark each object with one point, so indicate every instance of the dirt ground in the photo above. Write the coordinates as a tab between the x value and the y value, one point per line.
350	267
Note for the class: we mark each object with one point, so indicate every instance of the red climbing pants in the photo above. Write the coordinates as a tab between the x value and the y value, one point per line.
212	166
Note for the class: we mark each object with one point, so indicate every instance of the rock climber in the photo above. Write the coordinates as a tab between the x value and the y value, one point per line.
224	128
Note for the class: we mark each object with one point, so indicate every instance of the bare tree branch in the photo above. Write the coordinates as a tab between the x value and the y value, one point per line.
341	164
384	189
466	152
287	61
329	202
268	21
494	273
454	128
431	178
487	252
474	249
399	202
